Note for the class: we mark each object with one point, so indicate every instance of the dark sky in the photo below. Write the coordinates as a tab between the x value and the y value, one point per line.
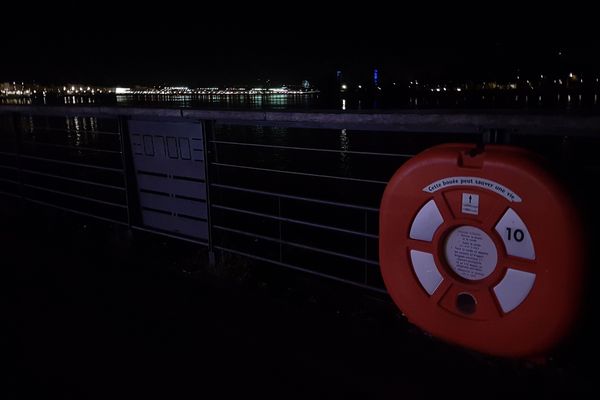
174	43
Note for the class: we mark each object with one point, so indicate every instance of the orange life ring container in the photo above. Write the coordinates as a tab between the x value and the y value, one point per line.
482	249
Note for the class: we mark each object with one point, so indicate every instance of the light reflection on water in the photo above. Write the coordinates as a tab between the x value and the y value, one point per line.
274	102
76	100
344	156
501	100
16	100
80	134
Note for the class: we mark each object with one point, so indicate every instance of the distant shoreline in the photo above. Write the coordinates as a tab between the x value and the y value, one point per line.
137	94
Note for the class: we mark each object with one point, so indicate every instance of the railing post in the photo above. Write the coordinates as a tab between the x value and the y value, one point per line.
495	136
125	162
206	127
15	120
280	229
486	137
365	244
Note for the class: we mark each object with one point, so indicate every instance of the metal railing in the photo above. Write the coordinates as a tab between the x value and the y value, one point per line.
73	163
296	189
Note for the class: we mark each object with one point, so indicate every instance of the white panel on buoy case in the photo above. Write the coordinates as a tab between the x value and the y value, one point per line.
426	222
471	253
426	270
171	178
515	235
513	289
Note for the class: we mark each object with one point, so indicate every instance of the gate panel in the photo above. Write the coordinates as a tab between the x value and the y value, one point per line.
168	158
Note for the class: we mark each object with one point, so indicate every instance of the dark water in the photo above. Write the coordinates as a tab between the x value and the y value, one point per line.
272	102
530	100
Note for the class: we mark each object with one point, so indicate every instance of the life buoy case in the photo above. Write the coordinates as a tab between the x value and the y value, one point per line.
482	249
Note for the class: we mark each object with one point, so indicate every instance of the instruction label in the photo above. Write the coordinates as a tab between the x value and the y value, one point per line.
470	203
473	181
471	253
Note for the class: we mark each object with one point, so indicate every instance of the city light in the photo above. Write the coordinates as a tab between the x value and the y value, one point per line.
536	81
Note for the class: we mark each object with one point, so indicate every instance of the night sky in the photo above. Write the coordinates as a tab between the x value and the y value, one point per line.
175	43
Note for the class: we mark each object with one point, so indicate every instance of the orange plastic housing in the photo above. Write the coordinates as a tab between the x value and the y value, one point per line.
483	249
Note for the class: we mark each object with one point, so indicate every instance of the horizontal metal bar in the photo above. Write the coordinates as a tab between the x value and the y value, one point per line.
8	154
62	146
299	173
437	121
74	180
531	122
367	153
295	221
8	181
2	192
9	167
92	111
298	245
44	203
75	196
294	267
291	197
433	120
358	125
162	233
72	163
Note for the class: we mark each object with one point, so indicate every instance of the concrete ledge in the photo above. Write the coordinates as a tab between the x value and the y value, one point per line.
463	121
